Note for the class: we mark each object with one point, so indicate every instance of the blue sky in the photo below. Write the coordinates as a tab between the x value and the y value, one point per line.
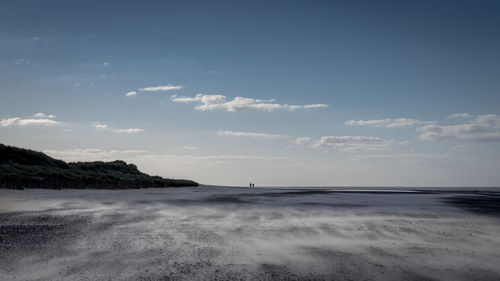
275	92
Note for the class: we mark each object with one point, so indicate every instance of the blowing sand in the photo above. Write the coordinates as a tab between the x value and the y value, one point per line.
215	233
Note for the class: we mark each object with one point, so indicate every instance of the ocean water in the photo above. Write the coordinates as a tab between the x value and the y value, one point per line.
228	233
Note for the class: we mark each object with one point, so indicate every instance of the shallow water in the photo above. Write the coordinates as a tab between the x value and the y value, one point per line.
251	234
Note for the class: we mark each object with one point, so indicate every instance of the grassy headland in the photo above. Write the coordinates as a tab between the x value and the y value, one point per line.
23	168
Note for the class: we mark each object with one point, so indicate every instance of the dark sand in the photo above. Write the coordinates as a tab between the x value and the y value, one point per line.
209	233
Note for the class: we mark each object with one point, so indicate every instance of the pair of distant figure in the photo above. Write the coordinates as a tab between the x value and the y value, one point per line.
252	185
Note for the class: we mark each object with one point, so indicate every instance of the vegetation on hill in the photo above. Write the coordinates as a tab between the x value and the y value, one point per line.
24	168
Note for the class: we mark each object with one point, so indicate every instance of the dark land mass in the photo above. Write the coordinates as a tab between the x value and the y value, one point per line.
23	168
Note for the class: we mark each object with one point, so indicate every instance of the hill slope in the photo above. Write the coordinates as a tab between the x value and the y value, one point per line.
24	168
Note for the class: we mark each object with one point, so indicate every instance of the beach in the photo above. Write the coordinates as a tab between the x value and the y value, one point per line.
224	233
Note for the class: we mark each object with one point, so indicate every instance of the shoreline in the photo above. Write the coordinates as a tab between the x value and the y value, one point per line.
222	233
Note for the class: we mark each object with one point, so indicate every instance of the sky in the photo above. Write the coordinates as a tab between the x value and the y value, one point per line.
279	93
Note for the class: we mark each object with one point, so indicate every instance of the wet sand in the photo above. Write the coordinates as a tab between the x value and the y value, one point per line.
216	233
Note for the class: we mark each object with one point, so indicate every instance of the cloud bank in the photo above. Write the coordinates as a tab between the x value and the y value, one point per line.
103	127
406	157
142	156
40	119
252	135
482	128
352	143
187	147
128	131
388	122
219	102
93	154
16	121
460	116
161	88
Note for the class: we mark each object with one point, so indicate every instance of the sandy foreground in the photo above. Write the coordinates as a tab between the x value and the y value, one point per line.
210	233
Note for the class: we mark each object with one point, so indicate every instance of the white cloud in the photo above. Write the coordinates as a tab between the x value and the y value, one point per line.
161	88
19	41
43	115
334	140
307	106
461	147
213	72
388	122
22	61
302	140
131	94
105	63
353	143
362	147
16	121
460	116
92	154
100	127
403	156
128	131
142	156
237	158
77	85
481	128
249	134
103	127
219	102
187	147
